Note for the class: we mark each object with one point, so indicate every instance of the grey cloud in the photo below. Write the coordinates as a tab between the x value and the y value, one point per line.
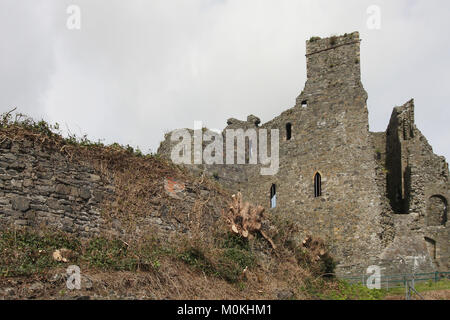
139	68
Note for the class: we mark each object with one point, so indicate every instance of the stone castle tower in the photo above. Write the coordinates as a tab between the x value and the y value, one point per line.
376	198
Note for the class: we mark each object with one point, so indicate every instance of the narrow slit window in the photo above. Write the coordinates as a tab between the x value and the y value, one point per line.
304	104
273	196
288	131
317	185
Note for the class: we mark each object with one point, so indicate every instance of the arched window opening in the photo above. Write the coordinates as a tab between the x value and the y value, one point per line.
317	185
273	196
288	131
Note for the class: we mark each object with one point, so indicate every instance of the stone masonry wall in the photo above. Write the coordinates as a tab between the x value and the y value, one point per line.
330	137
421	178
233	177
41	188
384	195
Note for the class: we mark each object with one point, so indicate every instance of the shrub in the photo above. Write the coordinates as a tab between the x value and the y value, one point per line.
333	40
225	259
232	262
195	257
232	240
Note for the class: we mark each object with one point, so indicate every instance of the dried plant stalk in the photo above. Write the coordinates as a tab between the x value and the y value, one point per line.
246	219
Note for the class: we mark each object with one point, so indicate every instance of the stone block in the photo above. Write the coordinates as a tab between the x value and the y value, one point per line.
20	203
85	193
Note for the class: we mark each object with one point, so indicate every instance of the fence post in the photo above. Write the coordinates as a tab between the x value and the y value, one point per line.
436	276
406	289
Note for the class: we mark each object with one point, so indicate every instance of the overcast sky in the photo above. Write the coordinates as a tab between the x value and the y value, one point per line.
137	69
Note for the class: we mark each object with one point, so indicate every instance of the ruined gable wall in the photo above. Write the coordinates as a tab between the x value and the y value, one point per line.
421	180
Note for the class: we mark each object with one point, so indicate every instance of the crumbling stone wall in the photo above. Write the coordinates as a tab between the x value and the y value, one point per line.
42	188
421	180
330	137
233	177
378	189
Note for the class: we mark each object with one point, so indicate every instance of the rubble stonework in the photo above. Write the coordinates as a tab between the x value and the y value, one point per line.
384	195
45	189
40	188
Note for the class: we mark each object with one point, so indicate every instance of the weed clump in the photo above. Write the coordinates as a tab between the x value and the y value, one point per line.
333	40
24	252
225	259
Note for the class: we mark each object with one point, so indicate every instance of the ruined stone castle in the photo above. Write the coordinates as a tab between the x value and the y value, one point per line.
377	198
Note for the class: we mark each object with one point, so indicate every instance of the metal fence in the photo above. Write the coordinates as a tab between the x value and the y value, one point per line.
399	280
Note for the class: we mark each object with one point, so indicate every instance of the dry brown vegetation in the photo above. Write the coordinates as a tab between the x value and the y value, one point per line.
245	219
237	255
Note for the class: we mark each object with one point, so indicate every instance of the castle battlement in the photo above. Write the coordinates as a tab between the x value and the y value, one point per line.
334	61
